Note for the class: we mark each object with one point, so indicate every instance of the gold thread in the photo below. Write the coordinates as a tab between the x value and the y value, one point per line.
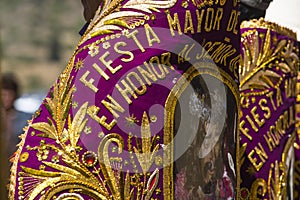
261	23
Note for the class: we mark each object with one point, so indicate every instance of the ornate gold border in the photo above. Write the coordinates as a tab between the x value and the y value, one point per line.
289	144
262	23
177	90
14	168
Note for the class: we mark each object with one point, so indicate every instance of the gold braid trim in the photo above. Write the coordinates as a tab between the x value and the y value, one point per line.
261	23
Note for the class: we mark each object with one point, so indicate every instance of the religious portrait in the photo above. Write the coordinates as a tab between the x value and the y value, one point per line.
204	132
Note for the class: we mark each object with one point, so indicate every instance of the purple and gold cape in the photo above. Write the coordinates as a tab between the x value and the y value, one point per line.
268	78
147	108
296	178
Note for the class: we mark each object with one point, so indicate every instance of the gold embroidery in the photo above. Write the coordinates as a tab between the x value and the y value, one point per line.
93	113
149	31
241	153
24	157
188	23
128	53
101	72
245	130
258	187
93	50
144	155
139	85
108	63
105	163
266	61
276	181
233	22
113	106
203	3
59	107
261	23
255	72
126	92
131	120
109	18
76	175
137	42
79	64
174	23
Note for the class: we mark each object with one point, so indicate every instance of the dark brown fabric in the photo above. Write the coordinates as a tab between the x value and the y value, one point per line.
90	7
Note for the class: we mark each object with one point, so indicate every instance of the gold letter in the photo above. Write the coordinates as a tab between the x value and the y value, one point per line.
165	60
137	42
155	38
270	141
147	74
107	64
130	54
100	71
267	110
218	18
259	121
233	22
270	95
174	23
209	21
188	24
125	91
261	152
245	130
113	106
158	65
89	83
141	83
254	161
252	123
199	18
93	113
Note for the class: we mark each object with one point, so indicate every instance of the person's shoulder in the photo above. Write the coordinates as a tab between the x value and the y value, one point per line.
23	115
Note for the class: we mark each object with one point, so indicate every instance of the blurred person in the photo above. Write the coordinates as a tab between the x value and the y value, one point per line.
253	9
13	120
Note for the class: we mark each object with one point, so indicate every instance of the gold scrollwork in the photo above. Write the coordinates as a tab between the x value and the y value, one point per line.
105	163
259	187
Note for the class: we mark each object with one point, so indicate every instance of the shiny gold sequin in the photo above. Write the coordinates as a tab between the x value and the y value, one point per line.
185	4
24	157
158	160
153	118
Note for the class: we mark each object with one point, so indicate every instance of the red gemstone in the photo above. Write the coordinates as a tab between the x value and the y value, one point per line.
89	158
152	182
244	193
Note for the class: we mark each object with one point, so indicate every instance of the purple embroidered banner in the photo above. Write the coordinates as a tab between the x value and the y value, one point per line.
268	79
145	109
296	178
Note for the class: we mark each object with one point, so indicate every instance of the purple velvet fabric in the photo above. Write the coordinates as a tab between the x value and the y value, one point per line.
106	128
268	79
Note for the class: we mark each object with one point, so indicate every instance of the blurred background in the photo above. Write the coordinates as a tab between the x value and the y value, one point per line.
285	13
37	39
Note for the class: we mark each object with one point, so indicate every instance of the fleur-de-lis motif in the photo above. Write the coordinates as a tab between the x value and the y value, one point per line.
144	154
